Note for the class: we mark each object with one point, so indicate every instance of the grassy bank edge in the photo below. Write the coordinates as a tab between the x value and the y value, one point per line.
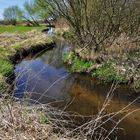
20	29
105	72
7	64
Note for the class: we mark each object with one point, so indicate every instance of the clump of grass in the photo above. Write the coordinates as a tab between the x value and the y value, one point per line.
77	64
58	33
16	46
18	122
108	73
5	52
137	85
68	35
68	57
2	83
50	40
81	65
6	68
43	119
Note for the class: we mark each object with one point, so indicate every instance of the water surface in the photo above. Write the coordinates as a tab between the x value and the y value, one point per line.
45	79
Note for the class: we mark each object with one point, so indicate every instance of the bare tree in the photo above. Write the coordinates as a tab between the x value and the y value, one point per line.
95	21
30	13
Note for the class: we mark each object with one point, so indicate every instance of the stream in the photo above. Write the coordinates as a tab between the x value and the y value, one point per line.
45	79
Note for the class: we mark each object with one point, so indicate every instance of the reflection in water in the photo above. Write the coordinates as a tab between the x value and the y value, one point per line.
45	79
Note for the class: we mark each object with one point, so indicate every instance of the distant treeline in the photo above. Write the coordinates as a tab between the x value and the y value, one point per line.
25	23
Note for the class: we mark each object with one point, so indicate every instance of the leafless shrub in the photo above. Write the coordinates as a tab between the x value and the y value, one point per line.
95	21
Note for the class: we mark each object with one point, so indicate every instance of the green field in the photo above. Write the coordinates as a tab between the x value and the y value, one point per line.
19	29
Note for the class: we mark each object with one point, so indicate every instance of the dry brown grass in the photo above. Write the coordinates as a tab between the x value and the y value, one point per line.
21	123
124	45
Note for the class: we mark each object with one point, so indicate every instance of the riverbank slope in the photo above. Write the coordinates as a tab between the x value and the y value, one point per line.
118	62
15	45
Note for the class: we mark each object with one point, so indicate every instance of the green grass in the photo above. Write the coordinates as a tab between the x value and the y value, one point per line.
81	65
6	68
137	85
108	73
19	29
68	35
2	83
67	57
77	64
50	40
43	119
17	46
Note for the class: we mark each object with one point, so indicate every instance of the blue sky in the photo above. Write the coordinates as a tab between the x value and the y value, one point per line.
6	3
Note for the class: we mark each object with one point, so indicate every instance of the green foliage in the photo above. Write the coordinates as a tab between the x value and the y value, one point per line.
6	68
2	83
19	29
2	86
68	35
50	40
68	57
108	73
81	65
17	46
77	64
137	85
31	13
43	119
42	9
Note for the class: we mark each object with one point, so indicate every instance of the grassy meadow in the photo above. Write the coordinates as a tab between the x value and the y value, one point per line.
19	29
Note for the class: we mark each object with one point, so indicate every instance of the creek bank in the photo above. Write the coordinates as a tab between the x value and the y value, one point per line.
119	61
17	47
33	50
107	71
22	53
